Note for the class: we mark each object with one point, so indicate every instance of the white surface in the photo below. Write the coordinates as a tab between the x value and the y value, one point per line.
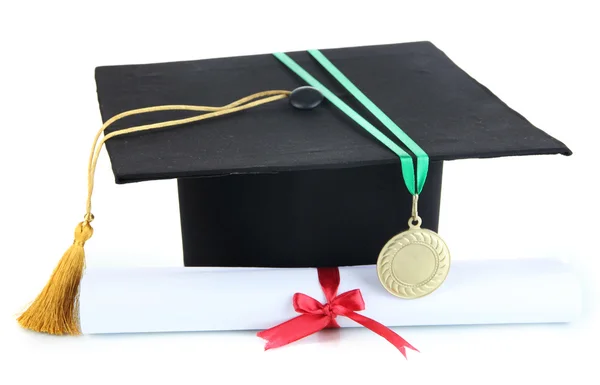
540	57
137	300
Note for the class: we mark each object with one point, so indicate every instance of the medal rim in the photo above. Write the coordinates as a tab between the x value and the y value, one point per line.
443	255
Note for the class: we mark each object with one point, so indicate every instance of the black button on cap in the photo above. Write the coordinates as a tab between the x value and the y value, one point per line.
306	98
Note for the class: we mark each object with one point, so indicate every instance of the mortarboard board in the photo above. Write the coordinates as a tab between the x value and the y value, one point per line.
264	183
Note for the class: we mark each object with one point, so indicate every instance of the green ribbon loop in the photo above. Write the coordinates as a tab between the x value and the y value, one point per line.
406	161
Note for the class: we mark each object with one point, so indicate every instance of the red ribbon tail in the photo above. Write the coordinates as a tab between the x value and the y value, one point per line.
293	330
400	343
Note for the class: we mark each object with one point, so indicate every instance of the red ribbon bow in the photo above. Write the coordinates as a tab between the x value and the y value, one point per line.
316	316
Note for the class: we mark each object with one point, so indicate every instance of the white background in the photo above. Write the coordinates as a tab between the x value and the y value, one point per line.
540	58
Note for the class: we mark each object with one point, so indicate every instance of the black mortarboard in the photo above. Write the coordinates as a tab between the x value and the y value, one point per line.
280	186
299	183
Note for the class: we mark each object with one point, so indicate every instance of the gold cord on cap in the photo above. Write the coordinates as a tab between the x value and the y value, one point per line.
56	308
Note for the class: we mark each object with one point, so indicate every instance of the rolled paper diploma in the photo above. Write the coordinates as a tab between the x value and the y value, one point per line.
202	299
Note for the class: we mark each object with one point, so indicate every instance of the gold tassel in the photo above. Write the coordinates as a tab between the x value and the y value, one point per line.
56	309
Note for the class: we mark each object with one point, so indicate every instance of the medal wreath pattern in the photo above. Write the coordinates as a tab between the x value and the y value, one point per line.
414	263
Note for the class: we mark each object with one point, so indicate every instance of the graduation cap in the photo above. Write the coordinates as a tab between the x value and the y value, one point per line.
303	159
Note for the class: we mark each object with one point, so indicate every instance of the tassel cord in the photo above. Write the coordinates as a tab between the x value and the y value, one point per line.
239	105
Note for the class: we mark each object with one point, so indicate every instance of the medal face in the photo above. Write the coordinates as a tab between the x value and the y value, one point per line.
413	263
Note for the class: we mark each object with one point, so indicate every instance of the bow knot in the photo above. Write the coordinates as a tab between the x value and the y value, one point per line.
316	316
328	312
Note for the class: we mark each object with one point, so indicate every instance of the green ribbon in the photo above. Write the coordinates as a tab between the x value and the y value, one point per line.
406	161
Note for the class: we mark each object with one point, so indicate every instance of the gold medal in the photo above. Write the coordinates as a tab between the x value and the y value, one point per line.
415	262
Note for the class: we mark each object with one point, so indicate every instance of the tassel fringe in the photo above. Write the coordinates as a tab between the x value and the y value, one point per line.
56	309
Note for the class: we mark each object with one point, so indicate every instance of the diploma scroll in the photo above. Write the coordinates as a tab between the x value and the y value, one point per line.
137	300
